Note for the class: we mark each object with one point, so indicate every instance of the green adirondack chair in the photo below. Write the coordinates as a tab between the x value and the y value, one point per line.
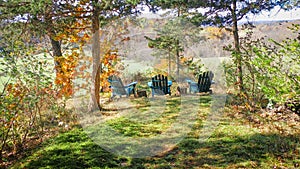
118	89
203	84
160	85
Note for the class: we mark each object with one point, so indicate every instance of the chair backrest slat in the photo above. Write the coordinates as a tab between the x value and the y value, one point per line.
160	84
204	81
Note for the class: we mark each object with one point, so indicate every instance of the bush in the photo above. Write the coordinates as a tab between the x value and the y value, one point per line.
271	70
26	95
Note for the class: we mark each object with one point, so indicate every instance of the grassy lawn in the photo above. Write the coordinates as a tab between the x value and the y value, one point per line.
235	142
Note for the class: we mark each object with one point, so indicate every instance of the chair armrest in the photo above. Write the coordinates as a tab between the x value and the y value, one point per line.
190	82
193	83
150	84
169	83
131	84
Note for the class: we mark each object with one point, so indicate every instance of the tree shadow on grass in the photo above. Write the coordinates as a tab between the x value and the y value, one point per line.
258	150
75	149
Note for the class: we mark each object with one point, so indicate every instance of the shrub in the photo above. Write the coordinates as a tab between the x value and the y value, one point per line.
271	70
27	93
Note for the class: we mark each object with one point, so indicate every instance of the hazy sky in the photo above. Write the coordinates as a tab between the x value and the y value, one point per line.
275	14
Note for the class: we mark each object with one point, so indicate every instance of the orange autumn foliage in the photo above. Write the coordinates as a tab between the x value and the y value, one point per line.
109	61
69	61
64	79
216	33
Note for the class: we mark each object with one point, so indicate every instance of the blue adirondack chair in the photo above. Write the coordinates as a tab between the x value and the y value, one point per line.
160	85
118	89
203	84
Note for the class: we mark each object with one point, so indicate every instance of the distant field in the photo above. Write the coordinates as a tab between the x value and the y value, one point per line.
132	66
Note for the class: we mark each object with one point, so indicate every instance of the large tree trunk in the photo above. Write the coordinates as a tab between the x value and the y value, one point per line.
169	66
94	103
237	48
56	47
177	59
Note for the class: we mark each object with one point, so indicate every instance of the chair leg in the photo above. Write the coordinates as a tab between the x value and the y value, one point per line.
111	97
134	93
